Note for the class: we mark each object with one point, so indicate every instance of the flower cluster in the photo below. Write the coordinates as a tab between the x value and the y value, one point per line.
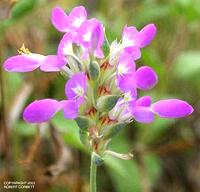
102	79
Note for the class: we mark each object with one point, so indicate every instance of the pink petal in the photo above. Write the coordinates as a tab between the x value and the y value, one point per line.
77	16
65	48
99	53
41	110
126	83
172	108
70	109
59	19
78	80
126	64
51	63
142	114
145	78
130	37
134	51
23	63
147	34
144	101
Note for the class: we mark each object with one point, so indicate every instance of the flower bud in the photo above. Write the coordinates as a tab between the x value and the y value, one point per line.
106	48
94	70
107	102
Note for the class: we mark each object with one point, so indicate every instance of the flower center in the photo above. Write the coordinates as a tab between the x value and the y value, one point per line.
87	36
79	91
23	50
127	97
126	42
67	49
78	21
122	69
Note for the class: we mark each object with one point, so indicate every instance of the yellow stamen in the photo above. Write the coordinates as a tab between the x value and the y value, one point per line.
23	50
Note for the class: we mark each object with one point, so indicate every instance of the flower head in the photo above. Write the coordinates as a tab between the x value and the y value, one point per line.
101	92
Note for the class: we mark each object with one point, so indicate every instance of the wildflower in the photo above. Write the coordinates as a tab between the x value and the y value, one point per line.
64	23
90	82
132	41
75	88
128	79
43	110
91	37
27	61
101	91
143	111
132	37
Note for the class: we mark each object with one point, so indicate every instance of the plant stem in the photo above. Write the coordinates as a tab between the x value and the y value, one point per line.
93	173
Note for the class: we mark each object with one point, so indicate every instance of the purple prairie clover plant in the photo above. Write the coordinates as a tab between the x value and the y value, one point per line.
101	86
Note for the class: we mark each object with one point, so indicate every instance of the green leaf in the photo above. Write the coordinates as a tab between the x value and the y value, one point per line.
112	130
69	129
187	65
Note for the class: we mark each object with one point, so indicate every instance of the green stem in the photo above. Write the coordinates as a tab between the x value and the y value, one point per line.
93	173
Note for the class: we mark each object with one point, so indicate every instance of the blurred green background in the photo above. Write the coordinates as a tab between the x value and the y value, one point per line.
166	152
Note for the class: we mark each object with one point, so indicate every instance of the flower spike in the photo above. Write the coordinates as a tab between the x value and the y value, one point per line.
102	84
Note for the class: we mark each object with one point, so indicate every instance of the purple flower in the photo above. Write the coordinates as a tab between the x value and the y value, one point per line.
126	65
75	88
24	62
64	23
78	49
91	37
132	41
172	108
133	38
43	110
27	61
144	112
128	79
